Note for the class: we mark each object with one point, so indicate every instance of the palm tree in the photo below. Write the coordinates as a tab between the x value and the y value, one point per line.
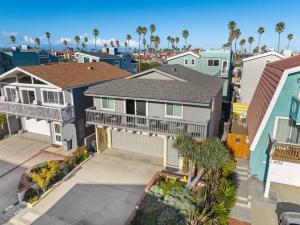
231	27
250	41
144	32
144	42
128	37
173	42
77	40
13	39
152	30
95	33
237	34
111	43
86	40
83	45
260	31
264	48
279	28
169	40
255	50
48	36
177	41
139	31
242	43
185	35
126	45
37	42
117	43
156	42
105	45
289	37
65	43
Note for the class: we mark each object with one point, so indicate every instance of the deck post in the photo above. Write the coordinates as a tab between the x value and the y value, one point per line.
8	124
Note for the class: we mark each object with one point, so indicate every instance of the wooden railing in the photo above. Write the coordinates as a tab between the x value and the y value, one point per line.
145	123
37	111
287	152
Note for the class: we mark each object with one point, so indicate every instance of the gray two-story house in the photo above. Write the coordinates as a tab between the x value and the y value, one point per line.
143	113
49	100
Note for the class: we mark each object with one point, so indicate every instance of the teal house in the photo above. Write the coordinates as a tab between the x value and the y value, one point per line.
214	62
273	114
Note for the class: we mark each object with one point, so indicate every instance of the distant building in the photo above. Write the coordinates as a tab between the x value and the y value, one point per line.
24	56
122	60
216	63
252	70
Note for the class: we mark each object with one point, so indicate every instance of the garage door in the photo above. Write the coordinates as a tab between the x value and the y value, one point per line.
144	144
37	126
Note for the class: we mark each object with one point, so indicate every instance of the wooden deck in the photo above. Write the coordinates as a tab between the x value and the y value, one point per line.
287	152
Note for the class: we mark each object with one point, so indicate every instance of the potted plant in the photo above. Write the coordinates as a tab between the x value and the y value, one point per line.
185	165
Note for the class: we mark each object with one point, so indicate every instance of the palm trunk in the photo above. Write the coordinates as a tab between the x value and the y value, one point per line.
259	43
250	49
288	45
95	43
139	53
235	46
49	44
197	178
278	42
151	41
190	174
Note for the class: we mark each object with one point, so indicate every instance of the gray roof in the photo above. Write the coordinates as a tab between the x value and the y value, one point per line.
101	55
198	89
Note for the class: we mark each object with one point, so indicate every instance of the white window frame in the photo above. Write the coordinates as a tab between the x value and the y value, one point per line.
226	66
11	87
188	61
52	90
107	109
147	106
213	62
181	117
275	129
192	61
54	134
27	89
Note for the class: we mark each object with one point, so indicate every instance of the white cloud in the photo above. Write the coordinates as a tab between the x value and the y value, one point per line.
8	33
28	39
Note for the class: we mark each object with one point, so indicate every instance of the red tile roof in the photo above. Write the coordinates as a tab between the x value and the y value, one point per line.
265	90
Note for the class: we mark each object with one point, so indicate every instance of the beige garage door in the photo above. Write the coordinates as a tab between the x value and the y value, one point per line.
144	144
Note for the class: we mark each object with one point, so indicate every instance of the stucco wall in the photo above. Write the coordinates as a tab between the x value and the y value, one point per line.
252	71
258	157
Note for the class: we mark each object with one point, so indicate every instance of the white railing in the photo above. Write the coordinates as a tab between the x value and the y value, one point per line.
37	111
145	123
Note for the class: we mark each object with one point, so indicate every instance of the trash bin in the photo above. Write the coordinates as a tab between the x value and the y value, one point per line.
93	146
67	143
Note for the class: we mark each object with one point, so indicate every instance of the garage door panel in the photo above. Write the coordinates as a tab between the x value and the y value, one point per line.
148	145
37	126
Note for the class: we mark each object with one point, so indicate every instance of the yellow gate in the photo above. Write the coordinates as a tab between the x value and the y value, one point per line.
237	143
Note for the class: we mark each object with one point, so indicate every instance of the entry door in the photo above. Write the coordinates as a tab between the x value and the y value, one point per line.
57	133
224	66
130	109
141	111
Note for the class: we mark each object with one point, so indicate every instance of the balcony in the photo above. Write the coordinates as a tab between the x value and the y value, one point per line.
145	123
287	152
62	114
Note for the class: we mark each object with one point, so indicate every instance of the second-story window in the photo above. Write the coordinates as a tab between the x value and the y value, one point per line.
186	62
124	60
108	104
193	62
53	97
11	94
213	62
173	110
117	63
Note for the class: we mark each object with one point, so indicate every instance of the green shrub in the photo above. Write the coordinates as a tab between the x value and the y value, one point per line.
80	155
228	168
170	217
171	184
31	195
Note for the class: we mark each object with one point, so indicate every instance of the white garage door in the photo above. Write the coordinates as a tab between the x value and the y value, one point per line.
144	144
37	126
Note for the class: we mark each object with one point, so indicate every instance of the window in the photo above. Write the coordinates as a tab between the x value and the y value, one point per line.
108	104
11	94
124	60
173	110
193	62
213	62
186	62
287	131
117	63
53	97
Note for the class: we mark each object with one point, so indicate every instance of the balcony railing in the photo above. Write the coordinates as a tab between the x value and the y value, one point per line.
287	152
36	111
145	123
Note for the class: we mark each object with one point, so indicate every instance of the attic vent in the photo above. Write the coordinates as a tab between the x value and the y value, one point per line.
90	68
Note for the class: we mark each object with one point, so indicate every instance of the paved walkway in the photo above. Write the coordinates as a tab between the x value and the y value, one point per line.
17	153
104	191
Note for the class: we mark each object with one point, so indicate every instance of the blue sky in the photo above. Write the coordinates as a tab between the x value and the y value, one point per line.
205	20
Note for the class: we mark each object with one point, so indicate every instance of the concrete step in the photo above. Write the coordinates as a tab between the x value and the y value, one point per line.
242	172
244	168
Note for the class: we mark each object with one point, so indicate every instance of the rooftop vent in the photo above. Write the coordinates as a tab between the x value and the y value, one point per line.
90	68
174	69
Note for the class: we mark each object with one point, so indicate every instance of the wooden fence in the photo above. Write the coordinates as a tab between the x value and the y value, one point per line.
238	144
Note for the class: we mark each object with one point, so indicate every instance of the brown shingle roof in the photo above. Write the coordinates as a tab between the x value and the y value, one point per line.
68	75
265	90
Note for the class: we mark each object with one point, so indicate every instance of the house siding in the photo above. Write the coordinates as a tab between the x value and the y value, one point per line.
259	157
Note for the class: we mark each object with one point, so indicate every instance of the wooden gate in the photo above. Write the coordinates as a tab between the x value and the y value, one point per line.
237	143
101	135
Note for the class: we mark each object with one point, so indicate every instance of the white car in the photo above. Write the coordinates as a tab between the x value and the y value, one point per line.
289	218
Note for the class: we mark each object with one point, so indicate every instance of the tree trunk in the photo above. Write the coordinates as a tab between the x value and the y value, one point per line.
95	44
278	42
197	178
259	43
190	174
139	53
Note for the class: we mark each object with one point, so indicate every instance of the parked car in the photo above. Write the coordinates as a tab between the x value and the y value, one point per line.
289	218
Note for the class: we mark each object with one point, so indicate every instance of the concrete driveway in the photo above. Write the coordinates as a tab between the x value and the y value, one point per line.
17	153
104	191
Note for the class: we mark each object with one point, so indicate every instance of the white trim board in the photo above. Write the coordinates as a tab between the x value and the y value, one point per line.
183	54
264	55
271	105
